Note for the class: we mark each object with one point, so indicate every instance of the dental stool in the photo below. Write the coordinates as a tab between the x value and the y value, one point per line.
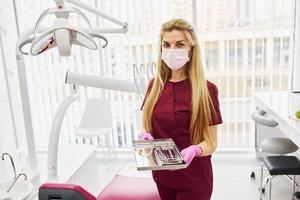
280	165
272	145
120	188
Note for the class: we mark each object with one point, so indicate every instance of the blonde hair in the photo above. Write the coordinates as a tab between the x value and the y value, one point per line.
201	101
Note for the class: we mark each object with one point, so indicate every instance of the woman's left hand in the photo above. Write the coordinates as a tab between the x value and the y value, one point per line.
190	153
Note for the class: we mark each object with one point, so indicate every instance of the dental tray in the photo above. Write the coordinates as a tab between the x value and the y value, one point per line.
157	154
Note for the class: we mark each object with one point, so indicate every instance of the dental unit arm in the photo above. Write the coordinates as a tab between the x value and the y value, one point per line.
75	80
63	36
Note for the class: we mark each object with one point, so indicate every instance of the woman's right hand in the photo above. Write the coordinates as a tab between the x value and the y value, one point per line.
147	136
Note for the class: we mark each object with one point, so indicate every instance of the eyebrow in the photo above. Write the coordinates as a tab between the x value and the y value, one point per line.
176	42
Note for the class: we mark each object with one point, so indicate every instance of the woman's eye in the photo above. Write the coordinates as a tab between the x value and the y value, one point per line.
180	45
165	45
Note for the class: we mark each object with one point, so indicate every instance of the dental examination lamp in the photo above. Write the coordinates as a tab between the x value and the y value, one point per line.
63	36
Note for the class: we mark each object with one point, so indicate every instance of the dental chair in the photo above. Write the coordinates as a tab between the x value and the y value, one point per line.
275	146
120	188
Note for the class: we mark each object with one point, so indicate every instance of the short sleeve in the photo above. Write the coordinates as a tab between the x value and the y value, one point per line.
147	92
216	116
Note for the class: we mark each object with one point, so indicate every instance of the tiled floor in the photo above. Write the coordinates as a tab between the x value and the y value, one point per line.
231	176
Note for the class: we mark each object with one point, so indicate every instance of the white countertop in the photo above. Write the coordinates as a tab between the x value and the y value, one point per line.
282	106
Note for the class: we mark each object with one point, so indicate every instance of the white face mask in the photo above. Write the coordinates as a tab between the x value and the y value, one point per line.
175	58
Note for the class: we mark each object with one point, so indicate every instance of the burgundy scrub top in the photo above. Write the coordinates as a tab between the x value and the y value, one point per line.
171	119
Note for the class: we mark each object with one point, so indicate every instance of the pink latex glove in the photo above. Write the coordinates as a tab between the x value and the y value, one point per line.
147	136
190	153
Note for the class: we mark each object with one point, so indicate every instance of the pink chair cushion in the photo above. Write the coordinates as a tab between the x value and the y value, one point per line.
66	186
130	188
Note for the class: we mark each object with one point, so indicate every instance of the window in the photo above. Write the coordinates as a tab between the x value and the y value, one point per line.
247	47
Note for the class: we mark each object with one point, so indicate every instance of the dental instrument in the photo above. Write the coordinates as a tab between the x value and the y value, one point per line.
141	76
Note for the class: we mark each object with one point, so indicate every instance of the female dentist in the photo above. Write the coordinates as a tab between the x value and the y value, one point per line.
181	104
